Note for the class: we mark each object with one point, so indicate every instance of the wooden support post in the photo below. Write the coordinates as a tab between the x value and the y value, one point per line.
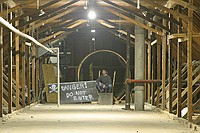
170	77
33	72
149	70
164	49
28	76
154	58
10	71
23	76
37	75
179	62
17	68
145	72
159	41
189	61
1	70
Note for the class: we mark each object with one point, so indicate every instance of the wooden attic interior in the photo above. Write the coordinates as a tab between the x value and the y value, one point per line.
172	46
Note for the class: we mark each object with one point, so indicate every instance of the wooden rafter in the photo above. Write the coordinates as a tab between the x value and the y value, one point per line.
167	10
153	12
16	8
130	12
34	13
52	18
46	16
133	21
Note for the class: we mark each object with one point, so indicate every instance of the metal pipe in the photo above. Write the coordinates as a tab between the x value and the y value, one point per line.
9	26
152	81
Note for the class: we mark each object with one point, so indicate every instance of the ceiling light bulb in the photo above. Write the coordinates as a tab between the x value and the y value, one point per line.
93	31
91	15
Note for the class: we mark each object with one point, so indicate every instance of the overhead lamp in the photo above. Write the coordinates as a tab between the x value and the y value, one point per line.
93	31
91	14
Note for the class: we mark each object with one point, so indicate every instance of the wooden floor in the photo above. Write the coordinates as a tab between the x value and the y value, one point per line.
90	118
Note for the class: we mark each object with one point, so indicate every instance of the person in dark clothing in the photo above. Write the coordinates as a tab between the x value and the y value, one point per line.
104	83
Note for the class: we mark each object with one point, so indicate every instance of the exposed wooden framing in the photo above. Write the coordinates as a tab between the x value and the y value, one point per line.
23	76
159	41
58	37
28	76
154	58
35	12
133	21
194	93
179	62
164	49
17	68
52	26
36	74
189	61
164	9
51	36
136	14
182	36
152	11
52	18
186	5
186	90
10	71
1	70
33	71
149	70
62	9
15	8
170	77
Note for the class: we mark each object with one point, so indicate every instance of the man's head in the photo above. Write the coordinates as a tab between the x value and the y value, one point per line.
104	72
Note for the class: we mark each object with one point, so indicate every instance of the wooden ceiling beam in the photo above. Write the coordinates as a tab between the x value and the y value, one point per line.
2	14
64	7
59	33
153	12
186	5
137	14
52	18
167	10
34	13
134	21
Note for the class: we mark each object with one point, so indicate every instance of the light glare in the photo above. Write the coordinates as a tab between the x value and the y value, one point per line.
91	15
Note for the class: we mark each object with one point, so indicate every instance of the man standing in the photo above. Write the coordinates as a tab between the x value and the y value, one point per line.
104	83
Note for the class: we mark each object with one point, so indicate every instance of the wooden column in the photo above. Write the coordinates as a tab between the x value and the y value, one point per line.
37	75
149	71
164	49
170	77
33	72
154	58
23	76
179	62
1	71
28	76
10	71
17	68
159	41
189	61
